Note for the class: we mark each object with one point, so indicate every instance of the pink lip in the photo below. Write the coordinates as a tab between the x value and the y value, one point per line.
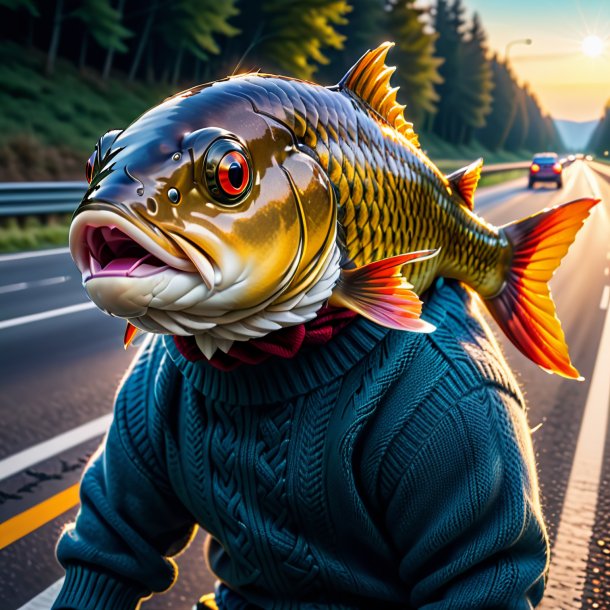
112	253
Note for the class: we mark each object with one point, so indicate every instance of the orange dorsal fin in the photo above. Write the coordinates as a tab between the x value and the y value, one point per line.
465	181
369	80
524	308
379	292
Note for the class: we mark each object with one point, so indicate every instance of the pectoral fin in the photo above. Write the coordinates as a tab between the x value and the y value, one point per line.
130	335
379	292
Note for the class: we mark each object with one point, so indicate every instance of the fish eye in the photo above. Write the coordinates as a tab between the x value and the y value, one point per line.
227	171
89	167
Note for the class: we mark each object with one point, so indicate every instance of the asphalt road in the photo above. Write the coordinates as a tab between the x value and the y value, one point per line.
59	371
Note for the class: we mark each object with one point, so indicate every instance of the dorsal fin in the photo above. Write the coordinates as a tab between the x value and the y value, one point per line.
369	79
465	181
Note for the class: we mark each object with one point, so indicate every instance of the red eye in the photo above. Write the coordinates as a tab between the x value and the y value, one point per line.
227	171
89	167
233	173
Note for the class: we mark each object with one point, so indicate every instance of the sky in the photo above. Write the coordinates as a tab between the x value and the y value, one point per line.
569	84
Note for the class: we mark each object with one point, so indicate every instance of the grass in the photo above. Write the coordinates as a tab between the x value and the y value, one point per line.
499	177
48	126
33	234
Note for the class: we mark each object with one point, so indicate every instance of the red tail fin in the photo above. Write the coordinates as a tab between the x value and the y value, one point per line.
524	309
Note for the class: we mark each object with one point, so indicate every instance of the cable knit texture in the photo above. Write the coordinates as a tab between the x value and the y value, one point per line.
384	470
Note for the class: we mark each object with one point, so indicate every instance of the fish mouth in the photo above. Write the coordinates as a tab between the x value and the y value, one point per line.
105	244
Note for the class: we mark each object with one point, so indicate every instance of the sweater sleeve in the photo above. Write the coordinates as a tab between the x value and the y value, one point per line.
465	514
129	521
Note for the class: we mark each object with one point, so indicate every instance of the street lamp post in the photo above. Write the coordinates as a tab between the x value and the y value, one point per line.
527	41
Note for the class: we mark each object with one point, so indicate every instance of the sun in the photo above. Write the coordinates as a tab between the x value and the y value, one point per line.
592	46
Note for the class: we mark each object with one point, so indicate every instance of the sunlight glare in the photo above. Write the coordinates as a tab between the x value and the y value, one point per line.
592	46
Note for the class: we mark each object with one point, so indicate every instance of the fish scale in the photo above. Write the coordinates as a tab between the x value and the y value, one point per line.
337	205
391	197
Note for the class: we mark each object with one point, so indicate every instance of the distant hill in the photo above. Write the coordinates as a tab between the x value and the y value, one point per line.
575	135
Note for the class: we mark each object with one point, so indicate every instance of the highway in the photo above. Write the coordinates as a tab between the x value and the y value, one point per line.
61	361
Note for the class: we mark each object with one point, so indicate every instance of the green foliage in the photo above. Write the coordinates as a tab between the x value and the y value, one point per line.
475	83
49	126
600	138
14	5
417	66
33	234
295	34
466	91
503	109
194	24
451	86
104	23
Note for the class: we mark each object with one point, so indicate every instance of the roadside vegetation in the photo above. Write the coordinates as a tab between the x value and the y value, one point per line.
32	233
72	69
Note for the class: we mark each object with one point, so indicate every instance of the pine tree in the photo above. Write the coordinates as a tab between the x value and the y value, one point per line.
417	66
366	28
600	138
104	24
475	82
503	108
449	24
516	138
295	34
15	5
194	25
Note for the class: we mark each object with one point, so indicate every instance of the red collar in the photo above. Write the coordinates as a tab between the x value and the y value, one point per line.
284	343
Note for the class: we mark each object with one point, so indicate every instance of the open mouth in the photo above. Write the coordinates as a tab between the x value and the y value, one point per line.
114	253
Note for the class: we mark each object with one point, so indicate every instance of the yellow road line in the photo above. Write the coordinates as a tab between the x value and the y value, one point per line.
25	523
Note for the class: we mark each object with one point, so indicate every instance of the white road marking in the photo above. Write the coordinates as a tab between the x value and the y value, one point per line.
571	550
592	181
603	304
44	600
47	449
44	315
50	281
17	256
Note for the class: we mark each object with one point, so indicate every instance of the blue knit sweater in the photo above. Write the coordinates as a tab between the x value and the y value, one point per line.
385	470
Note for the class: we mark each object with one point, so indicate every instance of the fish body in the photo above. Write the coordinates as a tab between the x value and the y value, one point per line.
237	208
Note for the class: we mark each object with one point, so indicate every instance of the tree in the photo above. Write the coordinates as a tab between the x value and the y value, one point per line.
192	25
517	135
55	36
503	108
475	82
417	65
448	23
366	28
600	138
292	36
28	5
104	24
111	50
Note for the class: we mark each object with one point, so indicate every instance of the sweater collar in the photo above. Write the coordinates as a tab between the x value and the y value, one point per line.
280	379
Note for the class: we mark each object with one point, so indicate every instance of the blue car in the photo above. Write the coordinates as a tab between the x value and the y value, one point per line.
546	167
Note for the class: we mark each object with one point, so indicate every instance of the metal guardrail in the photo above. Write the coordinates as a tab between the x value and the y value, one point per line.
32	198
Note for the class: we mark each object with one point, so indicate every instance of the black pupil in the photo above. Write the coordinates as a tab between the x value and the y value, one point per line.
236	174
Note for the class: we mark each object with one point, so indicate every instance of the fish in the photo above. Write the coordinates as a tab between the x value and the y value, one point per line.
240	207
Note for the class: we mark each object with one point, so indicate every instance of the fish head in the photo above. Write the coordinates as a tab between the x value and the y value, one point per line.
201	214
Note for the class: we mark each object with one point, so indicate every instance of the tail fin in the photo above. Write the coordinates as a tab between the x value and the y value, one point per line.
524	309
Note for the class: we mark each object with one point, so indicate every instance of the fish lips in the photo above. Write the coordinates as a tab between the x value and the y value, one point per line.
122	266
104	243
